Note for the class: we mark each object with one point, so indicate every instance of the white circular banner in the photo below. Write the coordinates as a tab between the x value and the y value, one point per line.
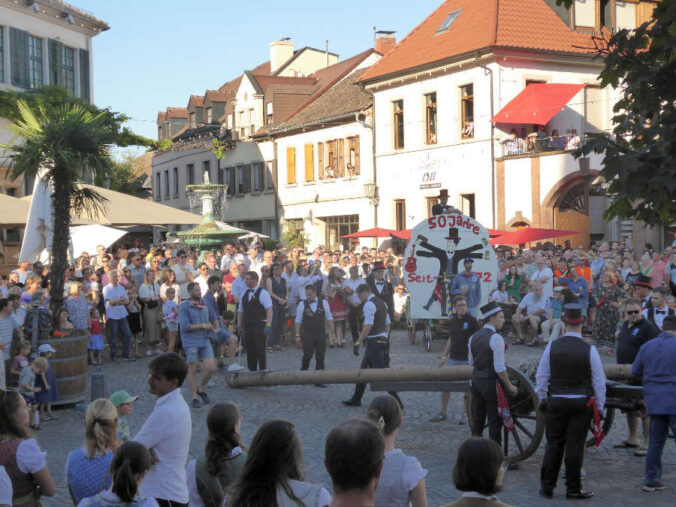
434	257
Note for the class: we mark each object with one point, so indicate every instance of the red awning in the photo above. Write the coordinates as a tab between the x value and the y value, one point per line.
528	235
537	104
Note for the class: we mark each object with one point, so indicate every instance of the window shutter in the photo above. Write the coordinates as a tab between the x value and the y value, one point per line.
309	162
56	76
356	154
84	75
18	45
291	165
247	178
341	159
320	160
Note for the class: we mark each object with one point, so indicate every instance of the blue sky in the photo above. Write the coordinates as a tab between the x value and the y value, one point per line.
158	52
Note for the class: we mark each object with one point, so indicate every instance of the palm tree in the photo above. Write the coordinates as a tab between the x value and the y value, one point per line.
64	144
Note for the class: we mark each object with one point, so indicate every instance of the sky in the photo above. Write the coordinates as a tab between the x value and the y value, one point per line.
159	52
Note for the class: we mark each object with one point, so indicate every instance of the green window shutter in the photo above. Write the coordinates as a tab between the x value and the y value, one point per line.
56	63
18	45
85	92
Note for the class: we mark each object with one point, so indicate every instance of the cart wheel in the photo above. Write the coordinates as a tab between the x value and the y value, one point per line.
607	424
529	423
412	325
428	339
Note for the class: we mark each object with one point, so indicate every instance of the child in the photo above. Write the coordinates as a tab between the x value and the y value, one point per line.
20	361
64	323
122	401
171	318
231	346
95	345
134	320
28	389
47	384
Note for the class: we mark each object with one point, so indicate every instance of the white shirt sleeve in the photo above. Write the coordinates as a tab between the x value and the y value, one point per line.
327	310
299	312
193	493
470	359
265	299
497	345
29	458
524	302
324	497
543	373
153	430
598	378
5	488
369	313
413	473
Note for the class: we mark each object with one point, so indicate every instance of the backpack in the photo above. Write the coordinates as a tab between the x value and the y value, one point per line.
44	322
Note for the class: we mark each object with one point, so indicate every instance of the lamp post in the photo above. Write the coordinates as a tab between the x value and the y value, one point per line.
371	193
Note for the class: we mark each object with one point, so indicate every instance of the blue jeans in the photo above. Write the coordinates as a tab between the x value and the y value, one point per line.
659	427
116	326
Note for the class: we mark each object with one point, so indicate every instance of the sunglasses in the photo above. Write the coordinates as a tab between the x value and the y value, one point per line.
633	312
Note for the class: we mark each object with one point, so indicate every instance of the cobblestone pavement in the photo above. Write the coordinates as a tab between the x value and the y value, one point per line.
614	474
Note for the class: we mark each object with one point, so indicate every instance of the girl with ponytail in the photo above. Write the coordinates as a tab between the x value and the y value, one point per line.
87	467
129	466
210	476
402	480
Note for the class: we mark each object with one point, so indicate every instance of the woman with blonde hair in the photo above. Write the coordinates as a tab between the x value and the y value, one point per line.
87	467
77	305
169	280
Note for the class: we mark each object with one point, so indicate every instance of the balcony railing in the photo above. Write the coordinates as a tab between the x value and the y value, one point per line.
539	144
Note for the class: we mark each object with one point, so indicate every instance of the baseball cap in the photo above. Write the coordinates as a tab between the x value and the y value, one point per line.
46	347
468	259
121	397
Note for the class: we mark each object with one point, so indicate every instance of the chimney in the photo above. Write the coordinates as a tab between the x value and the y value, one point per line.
280	52
385	43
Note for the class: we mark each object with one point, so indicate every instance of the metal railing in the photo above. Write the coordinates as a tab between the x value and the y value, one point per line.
539	144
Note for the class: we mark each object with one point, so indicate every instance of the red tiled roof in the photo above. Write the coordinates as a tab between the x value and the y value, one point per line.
216	96
177	112
265	81
196	101
161	116
231	86
528	24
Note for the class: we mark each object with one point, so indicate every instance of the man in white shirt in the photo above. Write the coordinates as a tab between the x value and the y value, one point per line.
22	271
354	314
203	276
311	318
544	275
254	318
531	310
166	433
115	297
8	329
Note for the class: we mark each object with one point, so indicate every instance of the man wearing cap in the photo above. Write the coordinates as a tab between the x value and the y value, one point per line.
467	284
656	365
443	207
642	288
486	352
122	401
381	288
375	333
570	373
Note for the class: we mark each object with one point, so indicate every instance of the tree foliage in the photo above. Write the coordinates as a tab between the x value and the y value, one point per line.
124	176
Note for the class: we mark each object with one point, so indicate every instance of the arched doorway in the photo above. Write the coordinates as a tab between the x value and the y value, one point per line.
569	208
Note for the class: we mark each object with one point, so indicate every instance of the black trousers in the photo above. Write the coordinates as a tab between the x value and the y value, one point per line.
485	405
254	341
169	503
354	318
567	422
313	345
377	355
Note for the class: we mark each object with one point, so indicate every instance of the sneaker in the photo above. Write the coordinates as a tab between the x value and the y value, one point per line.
649	487
149	352
220	364
236	367
439	417
196	403
211	383
204	397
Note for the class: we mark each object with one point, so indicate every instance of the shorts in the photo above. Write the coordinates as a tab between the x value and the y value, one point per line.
29	398
195	354
456	362
172	327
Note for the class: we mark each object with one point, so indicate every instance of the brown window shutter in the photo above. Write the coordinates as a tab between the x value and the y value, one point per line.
291	165
309	162
356	154
320	160
341	158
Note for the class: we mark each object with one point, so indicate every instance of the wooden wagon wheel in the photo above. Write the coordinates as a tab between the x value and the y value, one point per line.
529	423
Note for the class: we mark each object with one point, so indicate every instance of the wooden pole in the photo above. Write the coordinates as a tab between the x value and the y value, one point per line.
411	373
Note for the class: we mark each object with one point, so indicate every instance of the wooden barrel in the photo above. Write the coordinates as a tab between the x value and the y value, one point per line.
70	365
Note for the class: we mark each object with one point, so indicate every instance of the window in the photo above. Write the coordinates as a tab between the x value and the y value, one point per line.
431	118
309	162
430	201
176	181
398	107
2	55
252	127
268	113
290	166
230	121
330	170
68	62
12	236
258	176
158	186
467	111
339	226
593	106
270	175
18	57
320	161
448	22
400	214
207	115
242	127
220	176
34	62
230	180
191	120
352	156
206	171
191	174
85	89
159	132
467	205
340	159
166	184
244	179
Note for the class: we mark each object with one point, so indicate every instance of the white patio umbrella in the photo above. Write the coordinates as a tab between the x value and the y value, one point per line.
85	238
39	225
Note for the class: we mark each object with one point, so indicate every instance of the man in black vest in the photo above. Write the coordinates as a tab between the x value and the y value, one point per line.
443	207
311	318
486	352
569	374
254	318
381	288
375	332
642	288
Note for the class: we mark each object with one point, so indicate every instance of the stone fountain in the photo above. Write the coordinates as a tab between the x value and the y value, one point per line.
209	233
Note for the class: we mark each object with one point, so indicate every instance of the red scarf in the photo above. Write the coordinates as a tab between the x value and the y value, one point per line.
199	305
597	428
503	407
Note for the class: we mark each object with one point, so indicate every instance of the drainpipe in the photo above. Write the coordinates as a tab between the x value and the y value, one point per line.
373	153
275	176
493	182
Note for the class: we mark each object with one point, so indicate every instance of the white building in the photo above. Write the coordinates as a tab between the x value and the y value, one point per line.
436	92
41	43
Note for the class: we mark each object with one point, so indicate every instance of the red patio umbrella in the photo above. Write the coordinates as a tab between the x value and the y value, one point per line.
530	234
406	234
375	232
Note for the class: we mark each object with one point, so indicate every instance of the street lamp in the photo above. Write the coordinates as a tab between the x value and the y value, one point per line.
371	193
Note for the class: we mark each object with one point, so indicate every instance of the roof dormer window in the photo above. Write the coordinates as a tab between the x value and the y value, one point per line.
448	22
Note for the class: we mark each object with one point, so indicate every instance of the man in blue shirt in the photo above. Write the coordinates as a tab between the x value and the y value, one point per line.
468	284
656	364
